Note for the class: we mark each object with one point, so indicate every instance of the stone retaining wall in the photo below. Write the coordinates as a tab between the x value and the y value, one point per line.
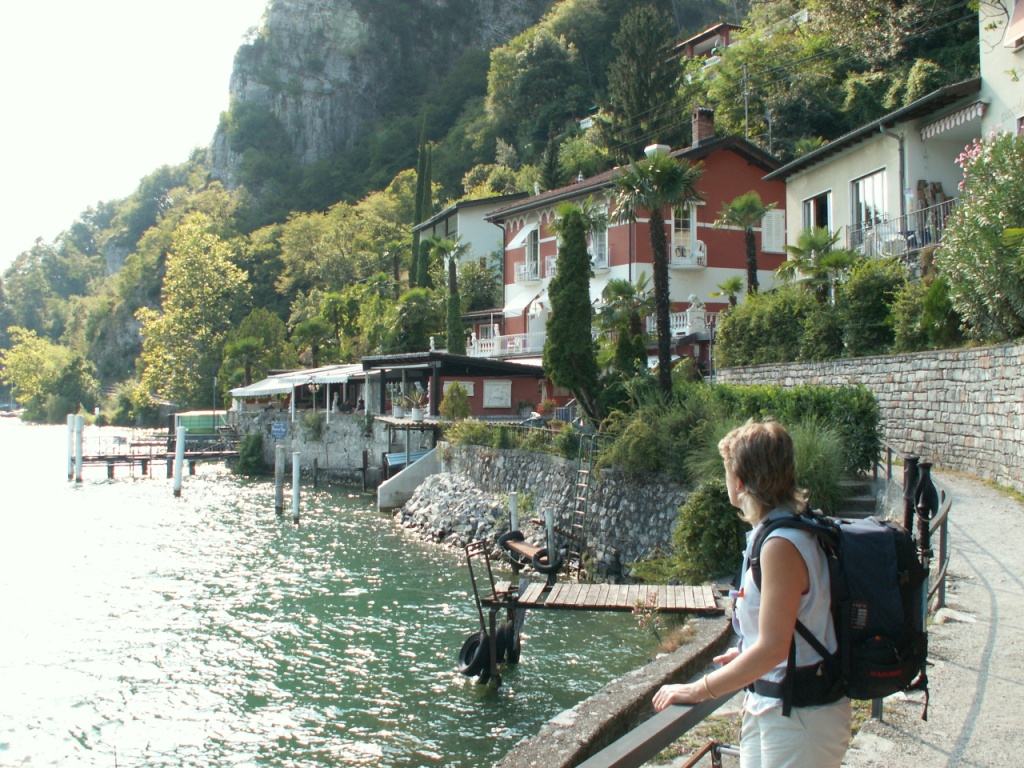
962	409
628	518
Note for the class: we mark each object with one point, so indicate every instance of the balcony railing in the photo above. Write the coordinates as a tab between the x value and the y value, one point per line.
513	345
550	266
685	323
902	235
689	255
527	271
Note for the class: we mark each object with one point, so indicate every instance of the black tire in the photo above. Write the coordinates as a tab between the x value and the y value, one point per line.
475	655
512	642
515	557
542	564
500	643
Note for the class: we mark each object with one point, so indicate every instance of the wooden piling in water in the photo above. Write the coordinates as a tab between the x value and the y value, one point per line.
79	430
71	446
179	460
296	490
279	479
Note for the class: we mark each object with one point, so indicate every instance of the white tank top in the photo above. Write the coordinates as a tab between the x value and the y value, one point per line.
815	608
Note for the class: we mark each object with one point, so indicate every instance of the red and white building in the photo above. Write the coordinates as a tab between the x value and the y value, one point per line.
701	256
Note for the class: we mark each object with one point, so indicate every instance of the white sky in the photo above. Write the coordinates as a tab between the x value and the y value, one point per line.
98	94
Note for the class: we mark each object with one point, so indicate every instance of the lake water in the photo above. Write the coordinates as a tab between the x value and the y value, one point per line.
137	629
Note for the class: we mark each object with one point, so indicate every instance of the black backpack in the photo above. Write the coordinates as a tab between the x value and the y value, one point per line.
879	588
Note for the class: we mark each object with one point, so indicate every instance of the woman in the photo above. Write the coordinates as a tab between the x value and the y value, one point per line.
760	477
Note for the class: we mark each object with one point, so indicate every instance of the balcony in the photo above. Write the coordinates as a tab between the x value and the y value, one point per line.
903	236
513	345
550	266
527	271
689	256
691	321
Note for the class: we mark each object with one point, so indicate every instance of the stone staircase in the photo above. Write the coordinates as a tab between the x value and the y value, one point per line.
861	498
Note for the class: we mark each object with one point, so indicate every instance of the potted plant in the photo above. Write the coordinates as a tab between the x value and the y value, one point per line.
546	409
525	408
397	400
415	401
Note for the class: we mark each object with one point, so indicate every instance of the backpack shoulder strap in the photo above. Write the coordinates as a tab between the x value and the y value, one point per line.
811	522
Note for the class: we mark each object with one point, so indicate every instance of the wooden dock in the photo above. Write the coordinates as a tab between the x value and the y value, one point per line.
608	597
145	454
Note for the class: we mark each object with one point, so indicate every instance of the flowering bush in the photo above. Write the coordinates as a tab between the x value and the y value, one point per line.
984	271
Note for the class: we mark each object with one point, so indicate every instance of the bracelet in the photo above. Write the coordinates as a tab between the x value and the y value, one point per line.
708	688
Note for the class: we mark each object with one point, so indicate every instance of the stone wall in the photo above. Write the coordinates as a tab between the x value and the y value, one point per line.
339	449
629	518
962	409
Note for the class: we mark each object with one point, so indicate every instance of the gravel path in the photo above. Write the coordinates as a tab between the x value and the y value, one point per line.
976	645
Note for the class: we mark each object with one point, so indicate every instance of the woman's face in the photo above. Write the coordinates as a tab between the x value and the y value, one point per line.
735	486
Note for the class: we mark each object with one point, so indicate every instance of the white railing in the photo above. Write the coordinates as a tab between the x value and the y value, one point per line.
527	271
691	255
684	323
512	345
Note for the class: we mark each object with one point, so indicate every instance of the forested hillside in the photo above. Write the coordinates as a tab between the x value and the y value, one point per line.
297	242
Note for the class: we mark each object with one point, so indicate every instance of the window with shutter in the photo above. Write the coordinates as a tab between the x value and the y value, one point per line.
773	232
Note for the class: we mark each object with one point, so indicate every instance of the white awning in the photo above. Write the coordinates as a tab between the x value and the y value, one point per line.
1015	29
971	112
272	386
597	285
516	305
520	239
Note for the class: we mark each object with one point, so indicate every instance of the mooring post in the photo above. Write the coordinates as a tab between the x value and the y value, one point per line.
316	473
513	511
549	523
71	446
279	479
296	489
179	459
79	430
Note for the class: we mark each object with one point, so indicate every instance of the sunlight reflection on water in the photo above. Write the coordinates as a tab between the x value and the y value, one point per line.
204	630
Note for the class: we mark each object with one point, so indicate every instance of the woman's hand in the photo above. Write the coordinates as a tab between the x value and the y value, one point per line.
678	694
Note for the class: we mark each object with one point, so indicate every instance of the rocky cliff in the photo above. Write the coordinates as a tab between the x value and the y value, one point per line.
329	69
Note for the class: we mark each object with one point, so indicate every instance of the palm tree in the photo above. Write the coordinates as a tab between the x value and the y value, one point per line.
731	287
745	212
651	184
449	250
313	335
245	352
623	309
803	256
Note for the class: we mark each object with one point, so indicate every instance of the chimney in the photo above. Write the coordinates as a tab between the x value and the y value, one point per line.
703	121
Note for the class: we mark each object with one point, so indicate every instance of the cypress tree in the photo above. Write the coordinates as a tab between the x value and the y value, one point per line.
570	353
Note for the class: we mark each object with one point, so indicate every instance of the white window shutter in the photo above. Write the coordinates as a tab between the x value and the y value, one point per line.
773	232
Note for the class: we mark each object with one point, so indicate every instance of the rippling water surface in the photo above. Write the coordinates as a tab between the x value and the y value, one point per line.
137	629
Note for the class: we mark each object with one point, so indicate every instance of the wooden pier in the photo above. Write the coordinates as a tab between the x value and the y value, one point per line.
607	597
144	454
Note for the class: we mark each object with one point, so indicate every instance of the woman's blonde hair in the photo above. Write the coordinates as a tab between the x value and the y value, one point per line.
760	454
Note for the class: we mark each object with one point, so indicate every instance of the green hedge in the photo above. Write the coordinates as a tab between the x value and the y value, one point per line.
852	411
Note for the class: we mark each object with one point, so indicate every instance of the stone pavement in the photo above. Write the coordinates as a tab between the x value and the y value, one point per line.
976	645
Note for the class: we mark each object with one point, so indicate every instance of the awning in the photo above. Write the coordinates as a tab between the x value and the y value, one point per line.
597	285
971	112
516	305
272	386
1015	29
520	239
541	303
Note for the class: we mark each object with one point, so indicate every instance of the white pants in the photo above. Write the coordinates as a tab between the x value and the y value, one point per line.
811	737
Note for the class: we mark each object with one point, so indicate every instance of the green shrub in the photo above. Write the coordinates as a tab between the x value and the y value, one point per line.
455	403
468	432
863	303
985	271
250	455
909	333
566	442
852	411
312	426
708	540
765	328
823	338
818	453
